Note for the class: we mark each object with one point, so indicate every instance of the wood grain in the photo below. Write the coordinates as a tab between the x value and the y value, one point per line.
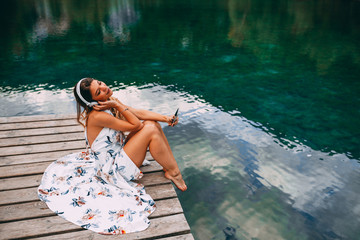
28	145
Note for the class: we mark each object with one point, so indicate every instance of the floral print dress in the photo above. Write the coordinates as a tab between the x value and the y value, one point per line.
95	190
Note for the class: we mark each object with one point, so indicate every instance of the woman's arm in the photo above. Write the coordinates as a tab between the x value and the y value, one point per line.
148	115
103	119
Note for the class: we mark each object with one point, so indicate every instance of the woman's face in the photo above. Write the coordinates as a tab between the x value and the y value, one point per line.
99	91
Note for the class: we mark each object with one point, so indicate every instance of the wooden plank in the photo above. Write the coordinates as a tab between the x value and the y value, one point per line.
39	168
40	124
20	182
28	145
35	227
66	144
24	169
36	157
30	194
37	209
33	118
153	178
38	148
42	157
42	139
167	207
188	236
40	131
18	195
164	226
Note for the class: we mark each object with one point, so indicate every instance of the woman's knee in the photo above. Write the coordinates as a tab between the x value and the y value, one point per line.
152	126
157	124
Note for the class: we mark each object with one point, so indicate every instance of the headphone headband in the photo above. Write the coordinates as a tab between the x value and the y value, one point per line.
81	97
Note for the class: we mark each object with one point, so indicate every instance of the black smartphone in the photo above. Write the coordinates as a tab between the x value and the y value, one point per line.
174	119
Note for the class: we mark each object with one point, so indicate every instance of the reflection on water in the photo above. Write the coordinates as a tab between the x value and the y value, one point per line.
293	65
54	18
268	95
36	101
239	175
312	25
305	21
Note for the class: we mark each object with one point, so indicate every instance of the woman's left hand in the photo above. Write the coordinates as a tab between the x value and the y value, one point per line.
105	105
172	121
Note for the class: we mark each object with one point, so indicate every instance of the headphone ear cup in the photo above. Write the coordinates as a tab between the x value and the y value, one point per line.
93	104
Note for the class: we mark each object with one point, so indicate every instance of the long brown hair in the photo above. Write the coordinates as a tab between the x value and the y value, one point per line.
116	112
83	114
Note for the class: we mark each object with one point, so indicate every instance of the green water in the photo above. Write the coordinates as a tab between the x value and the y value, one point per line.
269	93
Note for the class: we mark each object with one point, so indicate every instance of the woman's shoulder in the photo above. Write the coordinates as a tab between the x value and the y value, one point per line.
99	115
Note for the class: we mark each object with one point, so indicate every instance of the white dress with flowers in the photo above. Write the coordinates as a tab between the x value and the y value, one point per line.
95	190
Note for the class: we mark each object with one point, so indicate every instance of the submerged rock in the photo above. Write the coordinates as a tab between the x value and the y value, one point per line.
230	233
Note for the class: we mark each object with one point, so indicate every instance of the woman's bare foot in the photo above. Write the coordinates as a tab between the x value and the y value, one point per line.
177	180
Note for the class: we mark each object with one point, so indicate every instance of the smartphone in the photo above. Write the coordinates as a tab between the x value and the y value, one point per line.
176	113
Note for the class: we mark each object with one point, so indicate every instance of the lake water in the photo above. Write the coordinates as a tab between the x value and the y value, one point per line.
268	91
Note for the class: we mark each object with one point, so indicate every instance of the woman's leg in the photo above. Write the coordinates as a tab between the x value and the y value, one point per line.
165	140
151	136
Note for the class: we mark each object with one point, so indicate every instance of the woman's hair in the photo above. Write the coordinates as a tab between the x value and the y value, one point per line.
116	112
82	115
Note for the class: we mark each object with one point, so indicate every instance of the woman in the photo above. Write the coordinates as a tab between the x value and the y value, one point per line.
94	189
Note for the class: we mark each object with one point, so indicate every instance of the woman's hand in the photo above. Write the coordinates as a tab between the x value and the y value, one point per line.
172	120
105	105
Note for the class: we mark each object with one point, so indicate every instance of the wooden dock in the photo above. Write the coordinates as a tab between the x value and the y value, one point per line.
28	145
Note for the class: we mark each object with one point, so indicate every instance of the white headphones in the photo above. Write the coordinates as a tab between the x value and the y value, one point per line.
89	104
